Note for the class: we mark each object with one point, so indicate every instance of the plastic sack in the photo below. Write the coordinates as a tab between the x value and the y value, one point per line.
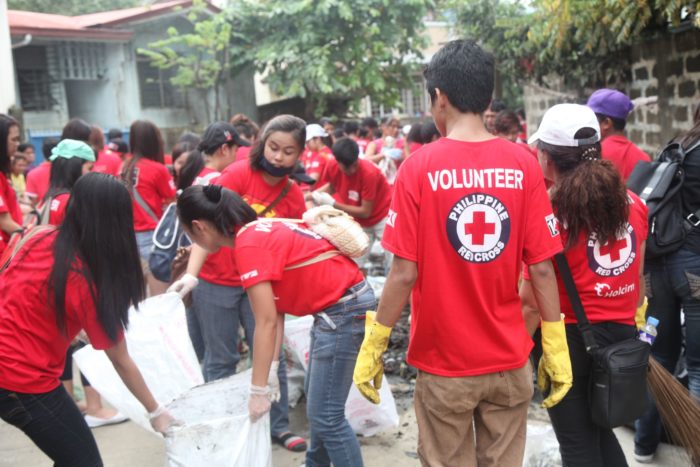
216	427
541	447
365	418
160	345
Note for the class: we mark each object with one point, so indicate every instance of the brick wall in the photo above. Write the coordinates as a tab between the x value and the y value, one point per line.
665	85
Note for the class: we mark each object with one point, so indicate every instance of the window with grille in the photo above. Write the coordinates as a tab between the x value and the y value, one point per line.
34	79
156	89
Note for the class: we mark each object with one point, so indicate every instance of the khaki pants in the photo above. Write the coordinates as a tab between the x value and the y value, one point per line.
473	420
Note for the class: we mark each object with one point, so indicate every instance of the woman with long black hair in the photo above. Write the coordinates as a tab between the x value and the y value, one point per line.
82	275
10	212
603	227
278	261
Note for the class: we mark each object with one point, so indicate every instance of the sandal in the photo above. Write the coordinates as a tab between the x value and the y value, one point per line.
290	441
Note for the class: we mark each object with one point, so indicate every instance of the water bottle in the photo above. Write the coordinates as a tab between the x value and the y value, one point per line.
648	332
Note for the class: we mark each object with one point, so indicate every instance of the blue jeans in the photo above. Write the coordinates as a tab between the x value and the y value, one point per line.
219	310
335	341
673	282
54	423
144	241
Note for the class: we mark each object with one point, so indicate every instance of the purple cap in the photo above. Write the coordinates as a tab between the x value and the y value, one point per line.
611	103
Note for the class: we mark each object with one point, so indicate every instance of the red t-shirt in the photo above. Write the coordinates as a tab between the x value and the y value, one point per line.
314	163
263	251
607	276
8	204
32	349
242	153
155	185
362	143
57	210
107	162
38	180
623	154
220	267
368	183
469	213
206	176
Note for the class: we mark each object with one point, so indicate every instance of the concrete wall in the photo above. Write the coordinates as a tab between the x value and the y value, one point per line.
7	83
664	84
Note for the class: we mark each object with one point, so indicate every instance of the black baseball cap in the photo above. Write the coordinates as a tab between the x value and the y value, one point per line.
219	133
301	176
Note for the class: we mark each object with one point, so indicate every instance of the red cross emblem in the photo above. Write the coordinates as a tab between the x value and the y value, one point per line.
613	249
479	228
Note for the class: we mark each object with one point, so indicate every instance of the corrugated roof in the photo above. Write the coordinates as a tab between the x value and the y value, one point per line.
115	17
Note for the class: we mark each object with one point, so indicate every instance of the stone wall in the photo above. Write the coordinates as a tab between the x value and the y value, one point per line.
664	84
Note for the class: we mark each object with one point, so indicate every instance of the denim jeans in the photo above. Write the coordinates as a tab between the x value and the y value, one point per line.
54	423
336	338
144	241
219	310
673	282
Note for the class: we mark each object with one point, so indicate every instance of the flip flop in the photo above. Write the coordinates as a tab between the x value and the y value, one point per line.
94	422
290	441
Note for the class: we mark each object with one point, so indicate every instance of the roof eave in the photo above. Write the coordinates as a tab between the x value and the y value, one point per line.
49	33
150	14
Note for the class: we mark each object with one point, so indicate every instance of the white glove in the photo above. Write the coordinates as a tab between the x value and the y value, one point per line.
322	198
273	382
184	285
259	402
161	420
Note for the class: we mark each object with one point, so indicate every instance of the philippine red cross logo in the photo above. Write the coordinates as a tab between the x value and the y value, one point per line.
613	257
478	227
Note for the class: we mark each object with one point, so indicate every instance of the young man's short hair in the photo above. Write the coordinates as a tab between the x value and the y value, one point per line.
351	127
618	123
346	151
464	73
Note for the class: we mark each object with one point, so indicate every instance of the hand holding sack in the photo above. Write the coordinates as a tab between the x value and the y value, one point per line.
554	372
259	402
184	285
322	198
161	420
369	367
273	382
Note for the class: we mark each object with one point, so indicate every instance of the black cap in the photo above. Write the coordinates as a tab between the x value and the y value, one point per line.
219	133
301	176
118	145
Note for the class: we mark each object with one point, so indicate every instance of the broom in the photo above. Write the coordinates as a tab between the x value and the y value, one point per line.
679	410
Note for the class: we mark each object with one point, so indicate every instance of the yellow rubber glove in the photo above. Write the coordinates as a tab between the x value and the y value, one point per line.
369	367
555	364
640	318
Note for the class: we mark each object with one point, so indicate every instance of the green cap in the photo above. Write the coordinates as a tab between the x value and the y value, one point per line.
69	148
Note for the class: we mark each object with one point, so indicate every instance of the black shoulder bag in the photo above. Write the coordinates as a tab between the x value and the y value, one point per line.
618	389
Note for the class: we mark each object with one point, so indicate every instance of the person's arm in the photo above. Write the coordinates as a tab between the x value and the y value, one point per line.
545	291
370	152
359	212
265	344
8	224
130	375
531	314
189	281
397	290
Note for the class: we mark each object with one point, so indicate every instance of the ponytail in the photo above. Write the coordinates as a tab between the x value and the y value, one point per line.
226	210
589	195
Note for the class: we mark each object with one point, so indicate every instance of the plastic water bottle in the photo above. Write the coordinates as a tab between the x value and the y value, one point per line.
648	332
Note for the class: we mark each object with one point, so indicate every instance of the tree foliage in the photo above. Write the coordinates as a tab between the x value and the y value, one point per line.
585	41
71	7
200	55
333	52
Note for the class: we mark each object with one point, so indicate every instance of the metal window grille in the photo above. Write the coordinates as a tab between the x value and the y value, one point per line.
81	61
35	89
155	87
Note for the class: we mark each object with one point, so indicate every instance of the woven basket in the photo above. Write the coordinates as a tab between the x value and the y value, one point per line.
341	230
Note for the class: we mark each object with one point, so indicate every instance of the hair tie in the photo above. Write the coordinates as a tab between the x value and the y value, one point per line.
213	193
590	154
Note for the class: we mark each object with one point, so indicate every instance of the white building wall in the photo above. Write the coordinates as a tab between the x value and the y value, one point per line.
7	83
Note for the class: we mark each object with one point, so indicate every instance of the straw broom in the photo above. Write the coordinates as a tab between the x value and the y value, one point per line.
679	410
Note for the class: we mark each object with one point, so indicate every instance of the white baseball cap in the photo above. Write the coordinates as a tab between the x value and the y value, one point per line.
561	122
315	130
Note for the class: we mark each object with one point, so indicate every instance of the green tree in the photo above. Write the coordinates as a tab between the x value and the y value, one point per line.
333	52
200	56
71	7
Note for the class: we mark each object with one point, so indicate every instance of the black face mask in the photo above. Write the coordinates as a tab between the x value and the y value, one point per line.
273	170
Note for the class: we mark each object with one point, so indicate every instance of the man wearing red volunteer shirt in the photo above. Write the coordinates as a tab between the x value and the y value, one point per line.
38	177
359	188
467	211
612	109
107	162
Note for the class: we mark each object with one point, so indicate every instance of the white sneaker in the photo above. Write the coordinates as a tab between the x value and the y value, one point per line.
644	458
94	422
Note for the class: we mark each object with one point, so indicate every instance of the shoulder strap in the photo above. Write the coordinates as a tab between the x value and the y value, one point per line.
33	232
274	202
685	152
322	257
142	203
583	324
45	213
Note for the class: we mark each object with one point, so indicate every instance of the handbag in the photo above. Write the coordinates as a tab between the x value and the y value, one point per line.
618	386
